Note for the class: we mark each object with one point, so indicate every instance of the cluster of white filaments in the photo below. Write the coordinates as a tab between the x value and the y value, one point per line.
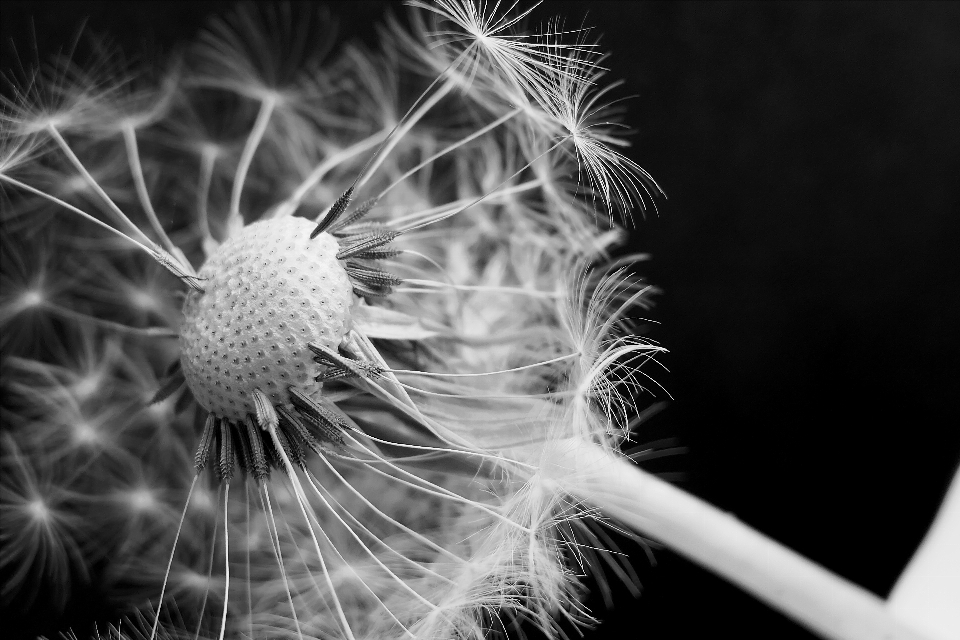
385	313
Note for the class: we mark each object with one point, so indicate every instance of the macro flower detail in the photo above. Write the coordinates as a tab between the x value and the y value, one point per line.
267	292
328	343
393	308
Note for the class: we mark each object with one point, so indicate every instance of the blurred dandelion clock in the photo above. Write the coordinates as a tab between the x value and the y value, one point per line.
316	343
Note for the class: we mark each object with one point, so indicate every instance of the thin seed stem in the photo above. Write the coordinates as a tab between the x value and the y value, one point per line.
403	585
432	286
401	131
466	452
250	148
417	536
444	209
249	576
487	194
213	554
308	569
290	205
318	485
486	373
173	551
275	542
409	119
81	213
430	488
150	332
169	262
226	561
136	169
459	143
93	183
302	502
492	396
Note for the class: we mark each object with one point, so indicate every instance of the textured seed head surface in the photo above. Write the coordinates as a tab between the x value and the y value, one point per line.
268	291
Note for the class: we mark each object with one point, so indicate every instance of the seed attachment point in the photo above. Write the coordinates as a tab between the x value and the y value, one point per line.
266	415
339	366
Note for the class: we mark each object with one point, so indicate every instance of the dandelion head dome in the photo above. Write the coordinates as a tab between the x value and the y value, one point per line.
267	292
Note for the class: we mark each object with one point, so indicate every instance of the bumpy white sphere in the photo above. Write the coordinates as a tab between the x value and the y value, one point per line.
268	291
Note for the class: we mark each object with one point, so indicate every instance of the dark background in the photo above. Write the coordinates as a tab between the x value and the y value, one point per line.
808	254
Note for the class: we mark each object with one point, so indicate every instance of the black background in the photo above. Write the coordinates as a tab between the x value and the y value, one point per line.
809	253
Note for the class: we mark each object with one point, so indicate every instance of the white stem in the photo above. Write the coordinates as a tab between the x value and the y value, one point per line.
928	591
824	602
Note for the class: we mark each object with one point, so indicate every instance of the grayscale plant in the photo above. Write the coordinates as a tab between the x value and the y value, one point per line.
332	345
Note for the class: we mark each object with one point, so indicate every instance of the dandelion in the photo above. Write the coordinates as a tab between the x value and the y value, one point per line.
392	371
43	534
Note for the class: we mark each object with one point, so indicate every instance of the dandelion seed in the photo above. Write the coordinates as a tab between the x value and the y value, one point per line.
43	534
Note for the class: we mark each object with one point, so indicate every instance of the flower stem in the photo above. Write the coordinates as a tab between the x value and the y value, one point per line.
928	591
824	602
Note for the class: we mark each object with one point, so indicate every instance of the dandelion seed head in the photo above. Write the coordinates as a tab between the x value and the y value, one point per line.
87	384
407	413
41	533
74	185
159	411
194	581
203	501
38	510
144	300
141	500
31	298
268	291
85	433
